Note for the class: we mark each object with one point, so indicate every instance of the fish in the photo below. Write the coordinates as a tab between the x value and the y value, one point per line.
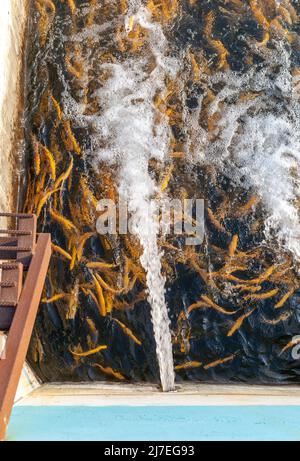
131	23
197	305
216	44
248	206
64	176
69	139
233	246
106	286
258	14
57	108
251	288
55	298
187	365
90	352
49	5
109	371
72	6
167	178
128	332
219	362
44	200
50	160
177	154
123	6
61	251
64	222
281	318
216	306
262	278
74	257
239	323
261	296
36	156
100	295
87	193
82	241
289	345
284	299
195	67
100	265
215	221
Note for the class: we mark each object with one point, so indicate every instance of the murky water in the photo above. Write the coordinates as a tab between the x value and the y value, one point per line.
171	100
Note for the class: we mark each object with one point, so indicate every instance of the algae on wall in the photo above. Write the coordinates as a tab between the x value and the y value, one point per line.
12	25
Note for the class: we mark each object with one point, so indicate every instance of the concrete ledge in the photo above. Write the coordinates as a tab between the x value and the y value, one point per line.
103	394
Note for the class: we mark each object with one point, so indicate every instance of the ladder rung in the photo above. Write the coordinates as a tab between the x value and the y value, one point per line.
16	215
7	303
9	266
8	284
14	248
15	232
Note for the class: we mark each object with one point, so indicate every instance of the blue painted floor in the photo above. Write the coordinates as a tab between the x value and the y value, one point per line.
170	423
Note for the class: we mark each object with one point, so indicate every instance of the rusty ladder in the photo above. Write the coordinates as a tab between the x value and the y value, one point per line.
24	261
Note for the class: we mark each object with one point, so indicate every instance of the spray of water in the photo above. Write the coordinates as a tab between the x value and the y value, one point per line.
256	140
131	136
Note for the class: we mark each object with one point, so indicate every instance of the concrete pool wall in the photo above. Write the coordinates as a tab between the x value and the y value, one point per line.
13	16
12	30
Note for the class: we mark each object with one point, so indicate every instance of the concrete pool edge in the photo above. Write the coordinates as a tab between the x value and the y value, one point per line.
109	394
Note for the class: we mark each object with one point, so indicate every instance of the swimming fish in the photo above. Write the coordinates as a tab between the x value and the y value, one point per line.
187	365
216	44
57	107
61	251
66	223
106	286
233	246
55	298
219	362
44	200
36	156
128	332
82	241
64	176
90	352
289	345
216	306
72	5
281	318
100	295
50	160
69	138
283	300
266	295
109	371
167	178
239	323
100	265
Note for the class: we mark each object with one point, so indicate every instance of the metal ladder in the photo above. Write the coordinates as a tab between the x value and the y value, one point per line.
24	261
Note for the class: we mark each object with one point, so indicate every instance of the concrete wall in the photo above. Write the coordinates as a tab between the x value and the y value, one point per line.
12	27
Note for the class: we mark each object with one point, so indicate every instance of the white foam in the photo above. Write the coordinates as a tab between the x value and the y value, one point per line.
128	129
257	142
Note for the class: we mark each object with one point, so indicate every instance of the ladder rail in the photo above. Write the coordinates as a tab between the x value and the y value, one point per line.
21	328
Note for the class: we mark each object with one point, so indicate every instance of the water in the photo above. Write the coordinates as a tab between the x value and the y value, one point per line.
127	127
206	94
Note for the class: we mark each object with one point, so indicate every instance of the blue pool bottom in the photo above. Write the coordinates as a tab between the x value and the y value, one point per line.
149	423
